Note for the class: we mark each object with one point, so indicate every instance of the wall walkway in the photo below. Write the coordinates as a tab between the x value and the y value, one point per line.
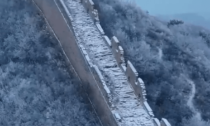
113	86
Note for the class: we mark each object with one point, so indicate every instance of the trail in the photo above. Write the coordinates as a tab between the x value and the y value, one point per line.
190	101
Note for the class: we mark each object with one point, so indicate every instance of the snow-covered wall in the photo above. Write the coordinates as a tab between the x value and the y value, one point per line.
60	21
78	59
130	71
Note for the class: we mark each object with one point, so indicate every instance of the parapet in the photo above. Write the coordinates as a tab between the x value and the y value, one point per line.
115	42
164	122
156	122
107	40
100	29
149	110
131	73
140	90
117	51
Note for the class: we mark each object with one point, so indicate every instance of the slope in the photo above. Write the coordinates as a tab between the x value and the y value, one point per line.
162	53
36	86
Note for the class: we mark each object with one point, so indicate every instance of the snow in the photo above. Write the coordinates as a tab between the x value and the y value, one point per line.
108	41
166	122
91	2
124	101
157	122
117	116
140	81
132	67
149	110
115	39
121	49
100	28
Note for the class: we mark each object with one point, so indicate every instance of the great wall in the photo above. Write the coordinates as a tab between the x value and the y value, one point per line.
116	92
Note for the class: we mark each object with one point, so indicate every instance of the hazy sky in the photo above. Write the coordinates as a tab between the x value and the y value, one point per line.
168	7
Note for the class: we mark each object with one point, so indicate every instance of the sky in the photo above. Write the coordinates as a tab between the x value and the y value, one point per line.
169	7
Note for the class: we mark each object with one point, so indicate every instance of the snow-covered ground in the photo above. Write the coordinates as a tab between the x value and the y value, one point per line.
124	101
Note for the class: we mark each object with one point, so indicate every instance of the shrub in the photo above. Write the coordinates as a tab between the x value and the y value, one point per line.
36	87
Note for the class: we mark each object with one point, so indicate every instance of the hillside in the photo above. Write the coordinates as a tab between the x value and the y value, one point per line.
172	59
36	86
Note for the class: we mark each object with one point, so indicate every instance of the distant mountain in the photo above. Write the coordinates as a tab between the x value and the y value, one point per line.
191	18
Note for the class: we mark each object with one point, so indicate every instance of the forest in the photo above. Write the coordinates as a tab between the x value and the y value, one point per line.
171	57
36	86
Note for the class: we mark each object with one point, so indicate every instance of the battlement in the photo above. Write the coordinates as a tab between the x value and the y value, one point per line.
117	50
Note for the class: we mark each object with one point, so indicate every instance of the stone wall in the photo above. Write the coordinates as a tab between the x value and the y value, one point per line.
58	20
131	73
